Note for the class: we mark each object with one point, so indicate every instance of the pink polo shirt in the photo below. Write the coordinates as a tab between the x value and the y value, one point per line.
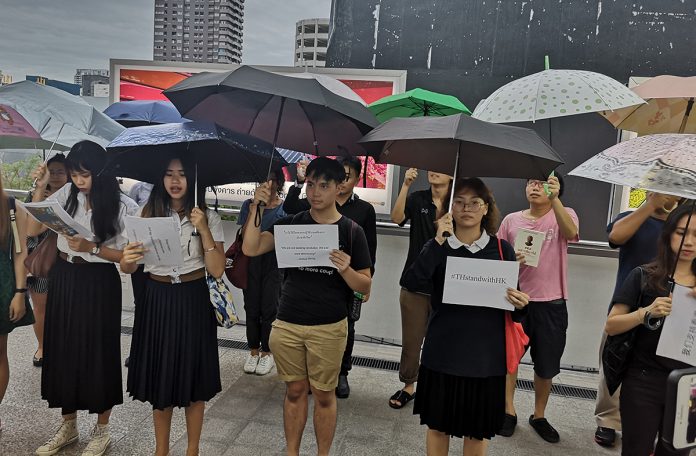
549	280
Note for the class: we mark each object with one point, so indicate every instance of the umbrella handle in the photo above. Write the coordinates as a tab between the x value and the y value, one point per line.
195	195
447	234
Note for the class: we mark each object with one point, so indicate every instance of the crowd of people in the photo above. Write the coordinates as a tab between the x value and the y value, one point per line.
300	320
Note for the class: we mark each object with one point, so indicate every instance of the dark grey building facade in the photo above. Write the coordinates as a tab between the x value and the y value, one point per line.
207	31
469	48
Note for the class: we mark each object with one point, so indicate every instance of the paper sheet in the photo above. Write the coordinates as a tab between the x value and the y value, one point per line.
476	282
52	214
160	236
305	245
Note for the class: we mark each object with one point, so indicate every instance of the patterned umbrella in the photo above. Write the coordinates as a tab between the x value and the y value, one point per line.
659	163
555	93
670	100
17	133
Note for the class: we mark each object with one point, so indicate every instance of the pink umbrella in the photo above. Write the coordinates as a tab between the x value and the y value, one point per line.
670	100
17	133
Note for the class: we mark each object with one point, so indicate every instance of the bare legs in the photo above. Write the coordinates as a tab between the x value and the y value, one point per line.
4	366
194	426
437	444
296	410
39	305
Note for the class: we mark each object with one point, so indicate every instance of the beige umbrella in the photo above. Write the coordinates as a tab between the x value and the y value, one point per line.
670	100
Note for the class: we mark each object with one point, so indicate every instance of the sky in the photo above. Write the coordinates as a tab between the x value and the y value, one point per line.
52	38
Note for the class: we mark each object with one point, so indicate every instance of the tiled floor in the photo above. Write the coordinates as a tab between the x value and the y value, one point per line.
246	418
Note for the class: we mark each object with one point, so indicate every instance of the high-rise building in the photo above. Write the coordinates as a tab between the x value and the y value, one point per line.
199	30
311	40
88	71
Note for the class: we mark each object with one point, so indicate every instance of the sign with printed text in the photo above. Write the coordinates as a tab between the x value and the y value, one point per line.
678	337
482	283
299	246
529	244
160	238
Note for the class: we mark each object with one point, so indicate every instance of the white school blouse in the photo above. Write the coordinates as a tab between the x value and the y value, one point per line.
191	246
84	218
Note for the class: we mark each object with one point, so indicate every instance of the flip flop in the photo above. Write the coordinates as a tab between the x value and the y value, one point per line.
402	397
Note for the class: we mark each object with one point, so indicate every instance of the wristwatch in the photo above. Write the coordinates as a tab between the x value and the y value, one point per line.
96	249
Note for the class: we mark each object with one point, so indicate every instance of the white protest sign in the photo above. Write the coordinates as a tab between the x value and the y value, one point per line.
529	243
160	237
678	337
305	245
52	214
481	283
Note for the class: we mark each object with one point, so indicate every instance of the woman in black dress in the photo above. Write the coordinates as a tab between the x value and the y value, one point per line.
645	294
82	332
461	390
174	355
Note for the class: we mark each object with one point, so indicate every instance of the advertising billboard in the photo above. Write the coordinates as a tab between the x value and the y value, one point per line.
139	80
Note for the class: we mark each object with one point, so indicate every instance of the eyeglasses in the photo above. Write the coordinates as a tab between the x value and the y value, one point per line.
473	206
535	183
347	178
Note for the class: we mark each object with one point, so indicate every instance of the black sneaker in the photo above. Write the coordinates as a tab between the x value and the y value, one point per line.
343	388
605	436
509	424
544	429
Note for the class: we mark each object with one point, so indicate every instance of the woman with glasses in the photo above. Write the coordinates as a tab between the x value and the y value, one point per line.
174	355
461	381
546	321
38	286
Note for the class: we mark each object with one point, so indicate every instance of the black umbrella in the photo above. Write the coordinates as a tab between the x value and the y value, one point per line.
293	113
221	156
460	145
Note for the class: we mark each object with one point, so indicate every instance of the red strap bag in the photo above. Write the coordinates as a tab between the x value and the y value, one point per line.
515	339
237	264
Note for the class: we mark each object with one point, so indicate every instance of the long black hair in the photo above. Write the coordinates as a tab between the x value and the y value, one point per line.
159	204
105	194
660	269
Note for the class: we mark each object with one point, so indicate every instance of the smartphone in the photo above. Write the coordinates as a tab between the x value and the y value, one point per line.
546	186
679	423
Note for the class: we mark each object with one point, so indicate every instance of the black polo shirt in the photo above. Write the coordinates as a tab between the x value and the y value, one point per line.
421	211
359	211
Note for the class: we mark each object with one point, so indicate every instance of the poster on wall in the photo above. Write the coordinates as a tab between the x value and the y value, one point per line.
147	81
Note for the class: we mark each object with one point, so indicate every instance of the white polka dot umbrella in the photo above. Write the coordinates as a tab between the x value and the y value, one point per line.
555	93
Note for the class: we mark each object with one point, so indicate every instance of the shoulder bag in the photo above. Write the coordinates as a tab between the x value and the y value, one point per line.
40	261
237	264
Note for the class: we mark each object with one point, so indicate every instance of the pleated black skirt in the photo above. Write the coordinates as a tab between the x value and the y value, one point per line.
174	354
82	338
460	406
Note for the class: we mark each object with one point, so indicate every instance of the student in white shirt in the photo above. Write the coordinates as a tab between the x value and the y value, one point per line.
174	356
82	333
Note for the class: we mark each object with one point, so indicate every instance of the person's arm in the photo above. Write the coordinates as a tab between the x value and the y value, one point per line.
213	252
419	276
360	280
398	213
41	174
17	305
623	230
255	242
371	234
132	253
566	224
293	204
82	245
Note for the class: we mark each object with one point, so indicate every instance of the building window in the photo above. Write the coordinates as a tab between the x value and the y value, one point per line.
309	42
307	56
322	28
309	28
322	42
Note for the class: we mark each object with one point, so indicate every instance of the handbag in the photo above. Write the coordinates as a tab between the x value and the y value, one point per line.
40	261
515	338
617	349
237	264
222	302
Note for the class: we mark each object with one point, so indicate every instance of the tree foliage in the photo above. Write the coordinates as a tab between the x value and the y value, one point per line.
17	175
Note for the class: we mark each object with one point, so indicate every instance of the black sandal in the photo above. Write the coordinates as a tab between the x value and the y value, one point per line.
38	362
402	397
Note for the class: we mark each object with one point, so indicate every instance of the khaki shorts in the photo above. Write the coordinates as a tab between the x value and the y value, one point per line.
309	352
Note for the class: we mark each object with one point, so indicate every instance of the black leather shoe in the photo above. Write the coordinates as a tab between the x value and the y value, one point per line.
509	424
343	388
605	436
127	362
544	429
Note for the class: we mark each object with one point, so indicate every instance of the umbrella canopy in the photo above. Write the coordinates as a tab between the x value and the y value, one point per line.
417	103
58	116
143	112
222	156
555	93
17	133
659	163
670	102
293	113
480	148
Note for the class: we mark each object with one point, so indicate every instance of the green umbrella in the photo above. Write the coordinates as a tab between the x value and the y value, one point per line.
417	103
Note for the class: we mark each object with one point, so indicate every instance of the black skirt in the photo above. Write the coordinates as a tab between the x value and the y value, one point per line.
82	338
460	406
174	354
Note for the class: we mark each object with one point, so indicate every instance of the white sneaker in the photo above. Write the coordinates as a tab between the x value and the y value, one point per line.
100	441
66	434
266	363
251	362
